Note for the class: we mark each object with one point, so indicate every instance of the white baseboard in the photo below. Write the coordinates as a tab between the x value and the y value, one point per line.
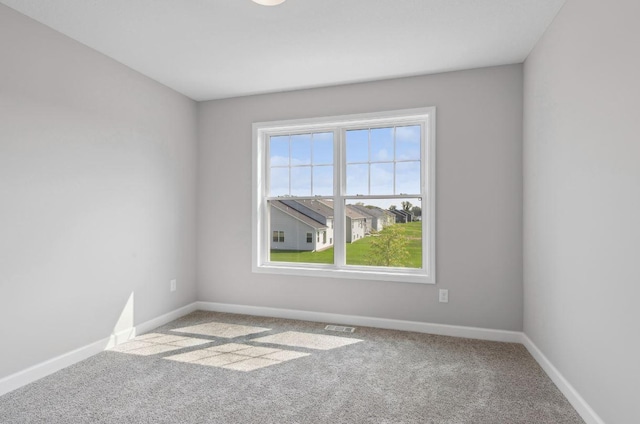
572	395
154	323
390	324
43	369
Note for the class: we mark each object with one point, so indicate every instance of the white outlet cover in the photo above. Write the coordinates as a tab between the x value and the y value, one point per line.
444	296
172	285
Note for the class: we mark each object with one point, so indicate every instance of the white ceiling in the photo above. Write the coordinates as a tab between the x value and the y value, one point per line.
211	49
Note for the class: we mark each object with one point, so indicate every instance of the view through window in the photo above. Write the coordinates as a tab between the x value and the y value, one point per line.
351	195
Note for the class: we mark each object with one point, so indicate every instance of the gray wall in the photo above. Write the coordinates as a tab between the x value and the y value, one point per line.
97	194
479	182
582	202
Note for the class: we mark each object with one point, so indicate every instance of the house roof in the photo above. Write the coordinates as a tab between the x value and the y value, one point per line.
400	212
318	206
354	213
297	215
372	210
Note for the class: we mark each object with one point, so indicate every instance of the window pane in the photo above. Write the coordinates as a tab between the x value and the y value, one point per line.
373	165
357	179
357	146
279	151
323	180
382	145
407	177
293	225
378	236
301	181
301	149
279	182
323	149
408	143
382	178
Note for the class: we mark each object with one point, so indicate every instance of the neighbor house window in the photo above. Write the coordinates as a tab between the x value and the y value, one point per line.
278	236
358	178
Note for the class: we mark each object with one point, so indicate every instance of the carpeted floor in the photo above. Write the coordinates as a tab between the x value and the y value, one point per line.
288	375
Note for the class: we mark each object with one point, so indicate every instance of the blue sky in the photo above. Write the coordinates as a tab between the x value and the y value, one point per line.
305	162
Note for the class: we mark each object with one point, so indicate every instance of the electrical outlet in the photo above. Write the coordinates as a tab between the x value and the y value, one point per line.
172	285
444	296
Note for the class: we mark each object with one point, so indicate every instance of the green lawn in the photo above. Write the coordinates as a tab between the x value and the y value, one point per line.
357	251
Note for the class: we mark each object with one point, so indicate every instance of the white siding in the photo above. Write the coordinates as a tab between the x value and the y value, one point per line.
329	237
295	232
355	229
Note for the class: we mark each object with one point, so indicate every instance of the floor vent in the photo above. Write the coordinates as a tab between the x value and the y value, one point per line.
340	328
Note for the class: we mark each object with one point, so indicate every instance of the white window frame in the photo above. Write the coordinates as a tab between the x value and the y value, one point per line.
426	117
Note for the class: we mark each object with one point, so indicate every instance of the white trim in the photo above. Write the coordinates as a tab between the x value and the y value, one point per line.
362	321
154	323
314	270
425	117
572	395
43	369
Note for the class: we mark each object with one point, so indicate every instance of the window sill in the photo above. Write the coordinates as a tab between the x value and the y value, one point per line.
414	277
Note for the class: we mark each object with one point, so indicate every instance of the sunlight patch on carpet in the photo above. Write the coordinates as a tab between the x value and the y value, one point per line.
154	349
154	343
238	357
307	340
229	347
219	329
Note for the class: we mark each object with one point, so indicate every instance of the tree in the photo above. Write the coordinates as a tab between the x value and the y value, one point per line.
389	247
416	211
406	206
392	208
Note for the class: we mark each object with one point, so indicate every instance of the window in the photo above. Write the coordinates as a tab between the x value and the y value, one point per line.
366	182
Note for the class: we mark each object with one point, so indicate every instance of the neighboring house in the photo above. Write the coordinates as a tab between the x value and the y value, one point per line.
368	218
401	215
356	224
408	215
380	218
308	224
320	212
293	230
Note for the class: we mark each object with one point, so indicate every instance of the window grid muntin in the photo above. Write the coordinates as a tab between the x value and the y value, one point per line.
394	162
290	166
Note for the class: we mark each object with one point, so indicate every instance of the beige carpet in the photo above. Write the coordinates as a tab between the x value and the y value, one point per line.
223	368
